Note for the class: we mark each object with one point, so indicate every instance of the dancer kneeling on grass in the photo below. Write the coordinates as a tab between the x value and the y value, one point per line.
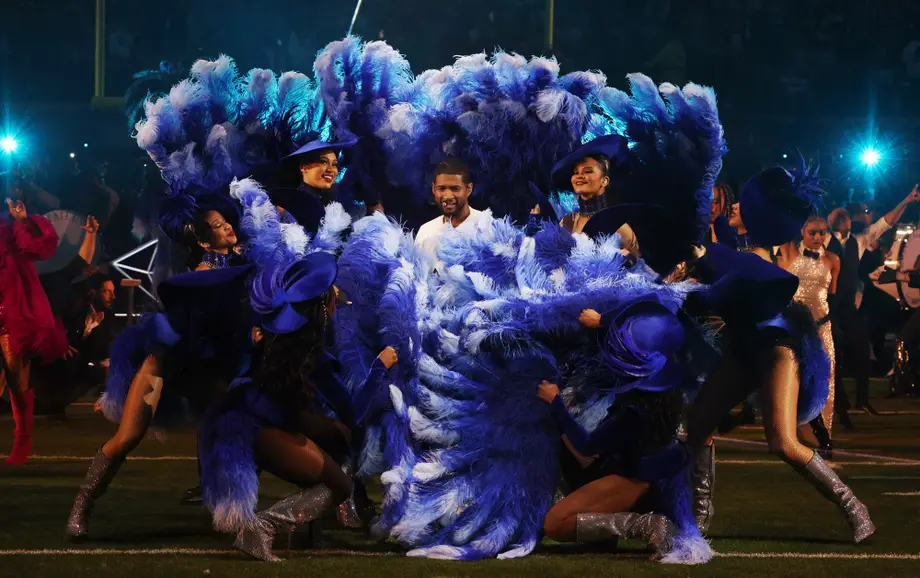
632	484
275	421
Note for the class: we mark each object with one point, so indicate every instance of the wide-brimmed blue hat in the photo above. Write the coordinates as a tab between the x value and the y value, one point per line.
744	288
277	290
775	204
320	145
612	146
641	344
662	243
306	209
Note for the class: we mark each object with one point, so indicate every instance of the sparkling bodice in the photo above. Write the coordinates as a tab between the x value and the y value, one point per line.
814	281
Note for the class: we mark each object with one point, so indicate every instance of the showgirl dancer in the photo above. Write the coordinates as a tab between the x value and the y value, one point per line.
465	450
817	271
634	463
28	329
769	344
273	421
180	353
594	172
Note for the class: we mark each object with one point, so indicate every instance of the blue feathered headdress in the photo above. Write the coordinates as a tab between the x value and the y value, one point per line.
775	203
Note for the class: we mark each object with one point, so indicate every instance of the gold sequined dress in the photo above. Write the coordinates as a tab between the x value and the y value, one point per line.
814	282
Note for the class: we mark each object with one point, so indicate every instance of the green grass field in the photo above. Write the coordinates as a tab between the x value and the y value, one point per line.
768	520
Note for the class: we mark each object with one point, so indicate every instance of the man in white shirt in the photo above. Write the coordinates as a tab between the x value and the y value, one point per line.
865	232
451	188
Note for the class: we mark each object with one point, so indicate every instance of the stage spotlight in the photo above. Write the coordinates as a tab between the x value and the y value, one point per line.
73	155
785	156
8	144
870	157
86	145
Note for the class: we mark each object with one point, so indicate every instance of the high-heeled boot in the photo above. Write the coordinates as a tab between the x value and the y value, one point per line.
23	405
703	479
654	529
100	474
347	512
903	380
821	476
286	515
825	444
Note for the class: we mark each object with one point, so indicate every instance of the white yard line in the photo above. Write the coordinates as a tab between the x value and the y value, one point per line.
880	460
836	452
130	459
372	554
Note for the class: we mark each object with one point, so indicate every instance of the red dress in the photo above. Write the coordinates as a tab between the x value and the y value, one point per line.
25	313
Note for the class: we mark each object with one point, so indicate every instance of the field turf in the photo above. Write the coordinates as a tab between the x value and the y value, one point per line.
768	520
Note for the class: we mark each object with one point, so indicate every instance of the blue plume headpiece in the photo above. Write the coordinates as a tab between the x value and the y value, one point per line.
278	288
775	203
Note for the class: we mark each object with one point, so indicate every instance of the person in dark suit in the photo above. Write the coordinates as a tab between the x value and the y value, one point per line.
88	316
854	236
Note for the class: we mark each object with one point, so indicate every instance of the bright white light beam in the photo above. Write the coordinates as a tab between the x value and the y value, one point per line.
9	144
871	157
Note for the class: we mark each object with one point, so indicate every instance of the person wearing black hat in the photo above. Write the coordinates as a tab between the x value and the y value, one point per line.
625	490
180	353
211	241
317	167
274	418
593	172
768	343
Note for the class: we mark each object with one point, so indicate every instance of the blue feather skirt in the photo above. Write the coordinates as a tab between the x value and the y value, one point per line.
226	434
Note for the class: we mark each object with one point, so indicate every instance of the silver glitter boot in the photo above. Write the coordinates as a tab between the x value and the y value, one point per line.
100	474
703	478
655	529
347	511
821	476
286	515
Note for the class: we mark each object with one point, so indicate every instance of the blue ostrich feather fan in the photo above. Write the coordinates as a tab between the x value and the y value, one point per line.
359	83
676	146
466	451
508	117
217	125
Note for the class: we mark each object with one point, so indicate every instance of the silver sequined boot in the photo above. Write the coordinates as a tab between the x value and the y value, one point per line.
655	529
286	515
820	475
347	511
100	474
703	478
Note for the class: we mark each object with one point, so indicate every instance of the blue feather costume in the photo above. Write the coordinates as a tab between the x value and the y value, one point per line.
467	453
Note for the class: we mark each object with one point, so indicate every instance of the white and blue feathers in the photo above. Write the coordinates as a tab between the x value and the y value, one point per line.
468	453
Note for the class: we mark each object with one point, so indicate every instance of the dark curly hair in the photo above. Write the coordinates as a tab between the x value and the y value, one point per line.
288	359
198	231
661	411
728	197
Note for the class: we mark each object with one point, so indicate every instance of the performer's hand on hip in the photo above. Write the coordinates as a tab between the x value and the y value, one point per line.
388	357
547	391
590	319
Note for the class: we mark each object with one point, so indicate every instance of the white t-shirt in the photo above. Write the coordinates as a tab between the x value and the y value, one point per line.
431	232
